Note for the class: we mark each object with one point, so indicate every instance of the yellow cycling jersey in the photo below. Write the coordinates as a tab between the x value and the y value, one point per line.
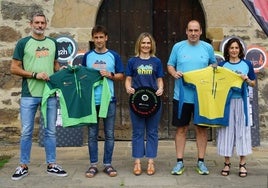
214	87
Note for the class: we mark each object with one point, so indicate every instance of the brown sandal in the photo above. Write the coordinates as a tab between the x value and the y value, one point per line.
110	171
91	172
226	172
242	174
150	169
137	169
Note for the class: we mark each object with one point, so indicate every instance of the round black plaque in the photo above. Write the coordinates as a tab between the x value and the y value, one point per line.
144	102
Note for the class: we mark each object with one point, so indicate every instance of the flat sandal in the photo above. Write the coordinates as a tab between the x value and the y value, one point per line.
226	172
242	174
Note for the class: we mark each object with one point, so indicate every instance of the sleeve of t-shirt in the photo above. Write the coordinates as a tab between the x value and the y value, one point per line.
19	49
251	73
129	70
212	58
119	68
84	60
160	71
172	58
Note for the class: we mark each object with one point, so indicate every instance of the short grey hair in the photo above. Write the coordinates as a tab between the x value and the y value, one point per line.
35	14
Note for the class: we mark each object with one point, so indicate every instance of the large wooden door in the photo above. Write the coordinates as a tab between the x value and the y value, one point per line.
166	21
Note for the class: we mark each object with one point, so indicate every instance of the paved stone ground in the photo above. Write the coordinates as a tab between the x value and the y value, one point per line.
75	162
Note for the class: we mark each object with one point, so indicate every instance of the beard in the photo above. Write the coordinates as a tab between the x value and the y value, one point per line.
39	31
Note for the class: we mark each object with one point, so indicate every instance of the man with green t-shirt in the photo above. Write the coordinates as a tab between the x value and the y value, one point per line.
35	59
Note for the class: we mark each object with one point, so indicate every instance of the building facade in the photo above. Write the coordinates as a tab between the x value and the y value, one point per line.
125	20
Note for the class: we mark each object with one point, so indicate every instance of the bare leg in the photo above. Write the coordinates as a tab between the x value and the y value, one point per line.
137	160
227	160
242	159
242	167
180	140
227	164
201	141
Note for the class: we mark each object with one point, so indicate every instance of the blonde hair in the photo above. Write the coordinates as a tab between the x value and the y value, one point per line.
138	44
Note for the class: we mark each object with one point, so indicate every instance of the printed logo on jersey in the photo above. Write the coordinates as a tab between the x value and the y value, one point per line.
99	65
41	52
145	69
238	72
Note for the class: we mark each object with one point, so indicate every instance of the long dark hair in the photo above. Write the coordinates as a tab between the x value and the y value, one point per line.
226	55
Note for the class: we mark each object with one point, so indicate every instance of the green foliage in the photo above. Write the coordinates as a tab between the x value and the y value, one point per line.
3	160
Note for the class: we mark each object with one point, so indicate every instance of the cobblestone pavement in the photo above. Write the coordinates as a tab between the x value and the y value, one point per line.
75	161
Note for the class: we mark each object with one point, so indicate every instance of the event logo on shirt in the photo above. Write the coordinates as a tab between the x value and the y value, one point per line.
145	69
99	65
41	52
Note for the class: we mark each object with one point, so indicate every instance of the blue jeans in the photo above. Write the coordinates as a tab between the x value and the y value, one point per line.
140	127
28	108
93	132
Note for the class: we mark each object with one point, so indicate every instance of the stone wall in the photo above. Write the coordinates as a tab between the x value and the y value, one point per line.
76	18
227	18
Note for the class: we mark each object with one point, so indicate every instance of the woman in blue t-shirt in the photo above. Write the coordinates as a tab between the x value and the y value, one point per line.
144	70
238	132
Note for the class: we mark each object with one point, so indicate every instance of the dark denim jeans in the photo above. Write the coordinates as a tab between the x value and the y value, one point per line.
145	128
93	132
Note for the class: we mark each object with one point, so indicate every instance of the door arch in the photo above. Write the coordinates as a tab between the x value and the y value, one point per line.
166	21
